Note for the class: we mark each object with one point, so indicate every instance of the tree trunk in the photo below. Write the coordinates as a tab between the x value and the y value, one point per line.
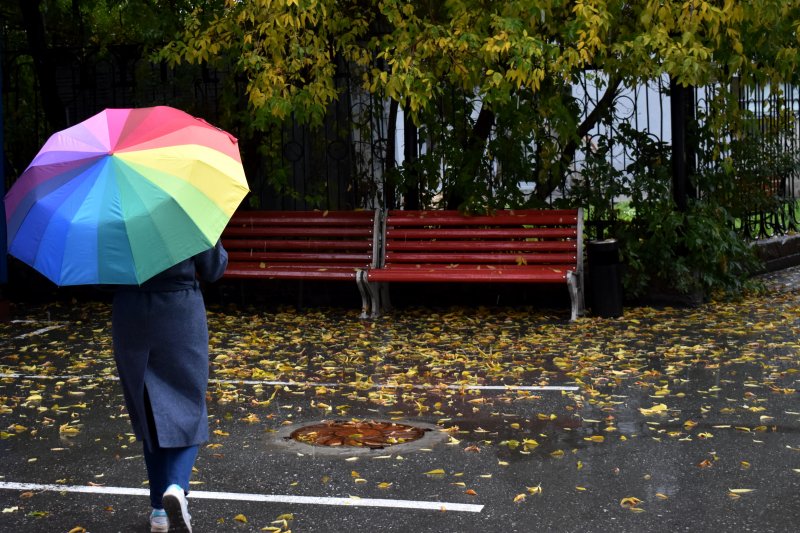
472	149
545	184
410	156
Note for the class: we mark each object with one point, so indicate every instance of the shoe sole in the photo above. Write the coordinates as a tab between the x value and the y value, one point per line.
175	514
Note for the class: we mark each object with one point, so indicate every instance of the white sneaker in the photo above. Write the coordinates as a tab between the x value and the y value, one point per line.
158	521
177	509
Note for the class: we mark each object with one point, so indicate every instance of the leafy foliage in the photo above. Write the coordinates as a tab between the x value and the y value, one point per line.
488	82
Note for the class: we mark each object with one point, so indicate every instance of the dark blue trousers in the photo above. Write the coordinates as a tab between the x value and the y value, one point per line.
166	466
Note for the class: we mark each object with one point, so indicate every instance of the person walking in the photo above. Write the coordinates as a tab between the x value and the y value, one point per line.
160	338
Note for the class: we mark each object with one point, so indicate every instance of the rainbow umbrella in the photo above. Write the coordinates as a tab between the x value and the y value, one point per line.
123	196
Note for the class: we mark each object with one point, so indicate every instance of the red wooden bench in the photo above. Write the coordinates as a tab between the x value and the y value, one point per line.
302	245
521	246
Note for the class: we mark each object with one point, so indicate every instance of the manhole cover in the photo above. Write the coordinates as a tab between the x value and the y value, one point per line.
359	434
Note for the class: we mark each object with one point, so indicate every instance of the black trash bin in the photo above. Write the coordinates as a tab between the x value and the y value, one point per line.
605	278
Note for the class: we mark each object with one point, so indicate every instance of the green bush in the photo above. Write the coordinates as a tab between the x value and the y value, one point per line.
696	251
663	249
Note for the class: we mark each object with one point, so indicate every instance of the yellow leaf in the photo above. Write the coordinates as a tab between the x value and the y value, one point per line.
384	485
78	529
519	498
655	410
661	496
251	419
630	501
240	518
595	438
436	472
740	491
66	429
535	490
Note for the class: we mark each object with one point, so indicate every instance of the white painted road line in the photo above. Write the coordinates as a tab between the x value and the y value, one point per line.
265	498
318	384
39	331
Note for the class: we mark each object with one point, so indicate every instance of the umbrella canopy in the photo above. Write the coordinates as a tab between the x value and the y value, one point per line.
123	196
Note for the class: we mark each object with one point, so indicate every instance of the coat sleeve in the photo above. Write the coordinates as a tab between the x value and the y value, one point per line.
211	264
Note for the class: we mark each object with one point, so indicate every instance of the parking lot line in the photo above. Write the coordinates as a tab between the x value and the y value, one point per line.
40	331
264	498
455	386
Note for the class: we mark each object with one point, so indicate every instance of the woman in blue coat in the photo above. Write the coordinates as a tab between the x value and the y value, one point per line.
160	335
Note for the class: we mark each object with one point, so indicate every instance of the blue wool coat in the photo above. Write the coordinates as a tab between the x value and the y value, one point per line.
160	335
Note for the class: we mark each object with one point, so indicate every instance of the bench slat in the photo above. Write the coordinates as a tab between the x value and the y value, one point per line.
466	273
318	257
319	274
275	244
303	218
487	258
504	217
288	265
481	233
296	231
494	246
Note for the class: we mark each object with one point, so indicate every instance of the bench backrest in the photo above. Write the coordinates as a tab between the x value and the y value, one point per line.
523	237
337	238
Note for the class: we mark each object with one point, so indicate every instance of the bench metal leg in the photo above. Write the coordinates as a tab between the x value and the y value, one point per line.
575	295
366	294
374	294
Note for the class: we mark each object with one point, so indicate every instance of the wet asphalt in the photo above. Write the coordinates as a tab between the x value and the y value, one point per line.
665	419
